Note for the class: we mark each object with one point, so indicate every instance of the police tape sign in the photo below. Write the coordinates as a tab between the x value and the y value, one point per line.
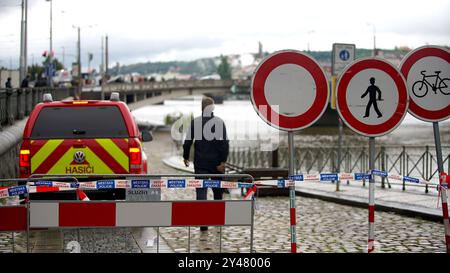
142	190
143	194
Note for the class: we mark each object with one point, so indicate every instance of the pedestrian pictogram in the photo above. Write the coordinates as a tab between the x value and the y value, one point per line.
372	98
373	92
427	73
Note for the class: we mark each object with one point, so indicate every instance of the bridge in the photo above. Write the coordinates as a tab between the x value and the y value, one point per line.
137	95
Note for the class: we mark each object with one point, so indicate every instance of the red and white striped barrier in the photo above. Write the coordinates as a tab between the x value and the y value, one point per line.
444	179
48	214
13	218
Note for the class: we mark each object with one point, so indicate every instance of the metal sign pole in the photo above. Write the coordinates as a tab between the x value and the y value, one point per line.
292	193
437	141
339	154
252	225
371	241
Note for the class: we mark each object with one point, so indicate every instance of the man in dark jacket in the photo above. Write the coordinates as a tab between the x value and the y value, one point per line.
8	83
25	82
211	146
40	82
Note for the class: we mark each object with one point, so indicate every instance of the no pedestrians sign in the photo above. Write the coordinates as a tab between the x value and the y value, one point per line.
372	98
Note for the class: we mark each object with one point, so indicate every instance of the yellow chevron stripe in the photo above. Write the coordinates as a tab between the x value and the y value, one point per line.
114	151
99	167
45	151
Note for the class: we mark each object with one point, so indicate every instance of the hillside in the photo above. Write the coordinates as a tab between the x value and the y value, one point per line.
207	66
200	67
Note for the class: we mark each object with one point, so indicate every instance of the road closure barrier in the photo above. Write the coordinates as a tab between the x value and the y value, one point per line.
79	214
38	215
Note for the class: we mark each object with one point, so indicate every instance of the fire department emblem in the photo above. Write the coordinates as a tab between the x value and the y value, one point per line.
79	157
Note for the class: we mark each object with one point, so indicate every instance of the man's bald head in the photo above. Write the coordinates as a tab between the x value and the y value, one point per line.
207	101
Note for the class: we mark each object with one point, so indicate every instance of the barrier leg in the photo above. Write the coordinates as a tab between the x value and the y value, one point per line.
78	235
252	226
437	141
61	235
157	240
220	239
189	239
13	241
28	223
371	240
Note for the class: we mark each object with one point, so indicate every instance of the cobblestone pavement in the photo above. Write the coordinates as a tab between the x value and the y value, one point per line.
118	240
321	227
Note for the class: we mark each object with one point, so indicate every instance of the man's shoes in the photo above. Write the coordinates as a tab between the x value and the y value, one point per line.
203	228
379	116
365	116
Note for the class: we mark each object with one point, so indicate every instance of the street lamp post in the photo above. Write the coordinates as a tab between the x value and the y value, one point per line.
79	56
79	62
63	57
50	56
374	53
23	41
309	38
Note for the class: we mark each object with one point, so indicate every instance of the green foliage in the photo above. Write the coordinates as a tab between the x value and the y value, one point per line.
36	70
201	67
224	69
56	62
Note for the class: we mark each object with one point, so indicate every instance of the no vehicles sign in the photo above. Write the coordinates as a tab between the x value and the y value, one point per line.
289	90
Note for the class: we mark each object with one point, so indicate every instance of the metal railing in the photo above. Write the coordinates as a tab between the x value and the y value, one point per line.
416	161
167	85
17	103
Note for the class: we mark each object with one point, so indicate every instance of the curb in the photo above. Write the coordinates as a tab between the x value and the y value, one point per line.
358	202
350	201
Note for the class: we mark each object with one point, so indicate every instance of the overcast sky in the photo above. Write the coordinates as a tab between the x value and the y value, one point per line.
163	30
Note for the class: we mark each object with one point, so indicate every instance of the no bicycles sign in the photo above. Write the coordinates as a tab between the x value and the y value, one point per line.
427	73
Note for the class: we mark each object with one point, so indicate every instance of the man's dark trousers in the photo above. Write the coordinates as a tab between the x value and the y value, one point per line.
202	193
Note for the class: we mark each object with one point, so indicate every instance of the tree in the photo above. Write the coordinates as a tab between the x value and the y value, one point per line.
56	62
35	70
224	69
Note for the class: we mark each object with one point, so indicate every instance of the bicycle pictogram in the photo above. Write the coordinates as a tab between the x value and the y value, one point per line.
420	87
